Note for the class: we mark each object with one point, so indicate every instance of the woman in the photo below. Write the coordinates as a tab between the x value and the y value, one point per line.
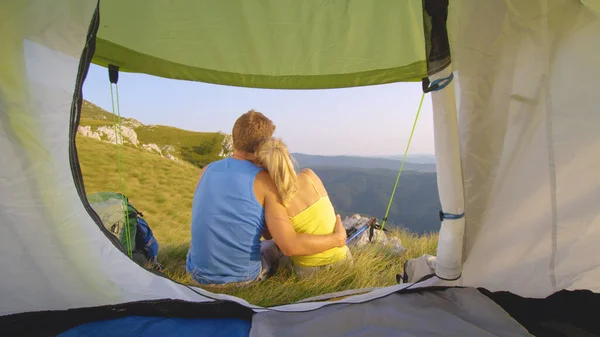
306	201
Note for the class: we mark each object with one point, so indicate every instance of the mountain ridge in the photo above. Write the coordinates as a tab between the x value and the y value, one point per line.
308	160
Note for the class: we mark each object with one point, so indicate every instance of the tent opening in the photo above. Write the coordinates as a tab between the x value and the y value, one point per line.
157	166
143	195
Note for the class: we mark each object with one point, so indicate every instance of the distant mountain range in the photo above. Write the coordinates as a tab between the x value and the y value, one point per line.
420	163
415	206
364	185
413	158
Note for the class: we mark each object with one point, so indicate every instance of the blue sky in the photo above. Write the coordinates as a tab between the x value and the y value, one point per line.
372	120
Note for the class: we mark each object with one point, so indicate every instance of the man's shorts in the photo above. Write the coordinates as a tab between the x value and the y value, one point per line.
270	256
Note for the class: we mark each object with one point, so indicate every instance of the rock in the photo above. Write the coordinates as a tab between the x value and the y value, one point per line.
170	156
109	132
226	145
134	123
86	131
127	133
355	220
168	148
152	148
379	237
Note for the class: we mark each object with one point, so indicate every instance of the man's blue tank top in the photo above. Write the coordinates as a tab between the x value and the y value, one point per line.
227	221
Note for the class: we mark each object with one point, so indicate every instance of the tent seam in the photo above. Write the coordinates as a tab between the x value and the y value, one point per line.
550	142
552	178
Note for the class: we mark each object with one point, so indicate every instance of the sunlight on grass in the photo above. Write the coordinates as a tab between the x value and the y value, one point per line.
163	189
372	266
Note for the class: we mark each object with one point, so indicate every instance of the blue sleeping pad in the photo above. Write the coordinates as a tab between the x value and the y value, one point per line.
139	326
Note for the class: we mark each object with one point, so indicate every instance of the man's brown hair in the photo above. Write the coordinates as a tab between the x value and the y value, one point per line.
250	129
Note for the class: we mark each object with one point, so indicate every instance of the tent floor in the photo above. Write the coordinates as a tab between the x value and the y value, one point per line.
420	311
565	313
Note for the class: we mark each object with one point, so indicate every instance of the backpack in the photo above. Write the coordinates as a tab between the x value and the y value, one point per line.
145	241
109	207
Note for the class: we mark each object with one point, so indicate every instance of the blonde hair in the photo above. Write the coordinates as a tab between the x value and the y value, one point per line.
274	157
250	129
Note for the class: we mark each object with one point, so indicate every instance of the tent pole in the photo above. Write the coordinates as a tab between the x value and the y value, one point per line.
449	179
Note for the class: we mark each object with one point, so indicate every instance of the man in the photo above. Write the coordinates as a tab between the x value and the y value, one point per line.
233	201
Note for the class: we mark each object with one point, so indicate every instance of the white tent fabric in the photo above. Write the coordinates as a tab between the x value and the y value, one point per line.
593	5
53	255
529	117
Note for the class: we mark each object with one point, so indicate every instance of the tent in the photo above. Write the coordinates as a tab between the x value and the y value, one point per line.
516	144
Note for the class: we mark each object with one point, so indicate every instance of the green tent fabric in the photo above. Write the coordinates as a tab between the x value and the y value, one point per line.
280	44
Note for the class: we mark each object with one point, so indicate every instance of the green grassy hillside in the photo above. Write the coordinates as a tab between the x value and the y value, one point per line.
197	148
91	111
163	189
160	188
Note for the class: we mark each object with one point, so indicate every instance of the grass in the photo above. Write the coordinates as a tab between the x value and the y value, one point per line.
163	190
371	267
91	111
167	135
158	187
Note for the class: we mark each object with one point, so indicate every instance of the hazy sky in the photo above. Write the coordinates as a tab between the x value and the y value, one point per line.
372	120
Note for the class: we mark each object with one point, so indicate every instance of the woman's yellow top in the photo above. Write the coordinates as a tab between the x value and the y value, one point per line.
319	218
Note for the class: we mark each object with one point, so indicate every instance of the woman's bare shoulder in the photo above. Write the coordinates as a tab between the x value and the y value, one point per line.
308	173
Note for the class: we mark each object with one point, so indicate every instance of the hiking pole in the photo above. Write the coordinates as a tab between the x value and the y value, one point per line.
357	233
369	224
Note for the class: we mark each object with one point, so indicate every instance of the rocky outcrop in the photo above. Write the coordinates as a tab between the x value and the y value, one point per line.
127	134
171	157
133	123
357	222
168	151
152	148
226	145
86	131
